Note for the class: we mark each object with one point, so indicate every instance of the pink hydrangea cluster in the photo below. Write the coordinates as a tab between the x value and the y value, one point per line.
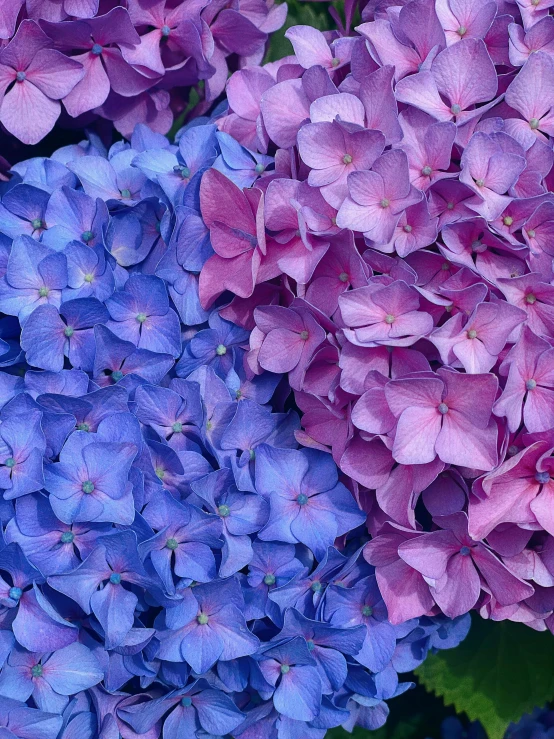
396	262
128	61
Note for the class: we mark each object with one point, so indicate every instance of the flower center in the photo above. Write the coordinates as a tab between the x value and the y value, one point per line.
166	30
507	220
10	462
450	206
462	30
172	544
531	233
285	669
67	537
478	246
96	49
455	109
117	375
530	384
36	670
302	499
182	170
389	318
202	619
87	487
408	228
426	171
269	579
480	183
530	298
43	292
221	349
68	331
259	168
316	586
126	193
367	611
335	62
304	335
347	159
186	701
87	236
310	644
542	477
472	333
534	123
141	317
224	511
442	408
20	76
82	427
160	472
177	427
464	551
115	578
385	202
88	278
343	277
15	593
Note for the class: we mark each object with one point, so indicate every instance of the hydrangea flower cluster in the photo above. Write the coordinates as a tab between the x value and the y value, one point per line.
171	561
395	260
129	62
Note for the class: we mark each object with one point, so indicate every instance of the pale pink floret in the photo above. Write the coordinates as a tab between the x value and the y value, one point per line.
520	491
448	415
539	37
531	94
384	314
462	19
378	197
528	395
476	343
458	567
41	76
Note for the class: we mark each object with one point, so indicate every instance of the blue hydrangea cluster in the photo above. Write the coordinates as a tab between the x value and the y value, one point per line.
537	725
171	562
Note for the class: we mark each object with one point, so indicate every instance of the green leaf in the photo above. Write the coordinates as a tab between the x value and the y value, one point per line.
501	671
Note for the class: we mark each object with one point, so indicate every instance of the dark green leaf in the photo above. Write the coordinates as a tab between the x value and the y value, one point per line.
501	671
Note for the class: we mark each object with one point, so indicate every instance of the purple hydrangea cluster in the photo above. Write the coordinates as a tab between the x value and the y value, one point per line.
171	562
128	61
395	259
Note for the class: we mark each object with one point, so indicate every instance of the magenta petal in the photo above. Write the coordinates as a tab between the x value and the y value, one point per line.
459	589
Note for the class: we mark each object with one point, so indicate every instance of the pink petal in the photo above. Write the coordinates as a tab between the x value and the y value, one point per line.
405	592
465	73
461	587
416	435
504	586
92	90
54	74
310	46
430	553
27	113
281	350
463	443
